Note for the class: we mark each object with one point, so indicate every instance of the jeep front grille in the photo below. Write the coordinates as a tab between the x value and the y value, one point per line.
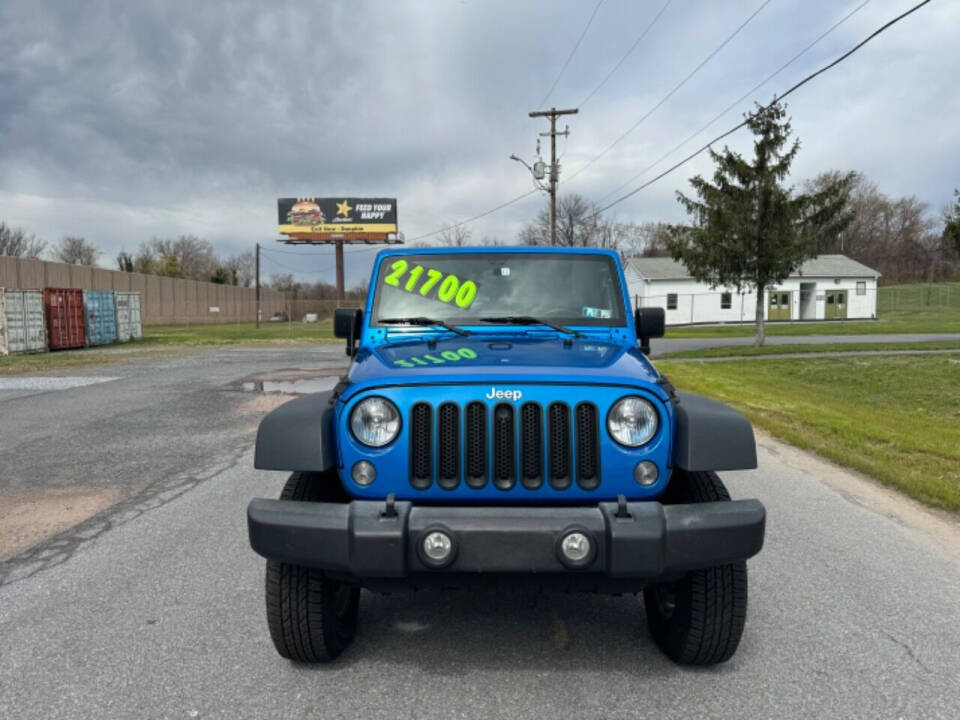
504	445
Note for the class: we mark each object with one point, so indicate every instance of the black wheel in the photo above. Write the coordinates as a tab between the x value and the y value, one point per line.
699	619
312	618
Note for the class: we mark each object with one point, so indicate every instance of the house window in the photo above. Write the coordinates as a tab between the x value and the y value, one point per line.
726	301
862	287
671	301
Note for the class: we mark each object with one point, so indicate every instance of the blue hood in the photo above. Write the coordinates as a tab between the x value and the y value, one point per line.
496	358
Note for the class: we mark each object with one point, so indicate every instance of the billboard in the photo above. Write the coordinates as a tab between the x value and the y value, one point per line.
337	215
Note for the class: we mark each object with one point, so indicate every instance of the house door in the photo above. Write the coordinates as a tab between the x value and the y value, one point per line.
836	307
779	308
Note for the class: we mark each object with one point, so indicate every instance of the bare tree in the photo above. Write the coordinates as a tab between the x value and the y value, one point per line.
580	224
145	259
76	251
454	236
15	242
650	239
244	268
194	256
899	237
285	283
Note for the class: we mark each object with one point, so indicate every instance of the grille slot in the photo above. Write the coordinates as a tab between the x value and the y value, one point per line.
421	446
588	447
476	459
448	446
504	448
531	446
559	450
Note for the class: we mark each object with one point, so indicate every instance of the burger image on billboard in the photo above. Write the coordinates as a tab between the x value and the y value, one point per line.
305	212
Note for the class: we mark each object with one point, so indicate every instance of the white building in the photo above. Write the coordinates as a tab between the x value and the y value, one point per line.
828	287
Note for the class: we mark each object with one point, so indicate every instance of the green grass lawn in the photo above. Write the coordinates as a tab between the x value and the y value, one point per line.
895	418
161	341
752	351
917	308
106	355
227	334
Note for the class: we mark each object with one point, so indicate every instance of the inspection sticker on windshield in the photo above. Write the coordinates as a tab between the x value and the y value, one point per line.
423	280
592	312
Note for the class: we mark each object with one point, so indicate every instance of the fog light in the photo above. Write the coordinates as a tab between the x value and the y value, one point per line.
363	472
645	473
437	546
576	547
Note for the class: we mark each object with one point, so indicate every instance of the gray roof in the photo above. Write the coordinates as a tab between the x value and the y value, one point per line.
664	268
659	268
834	266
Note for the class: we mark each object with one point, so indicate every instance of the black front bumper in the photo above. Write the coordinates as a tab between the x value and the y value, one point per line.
637	540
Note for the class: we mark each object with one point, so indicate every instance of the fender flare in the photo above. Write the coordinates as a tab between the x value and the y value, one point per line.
298	435
711	436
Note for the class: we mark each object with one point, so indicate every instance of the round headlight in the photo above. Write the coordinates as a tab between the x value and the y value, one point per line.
632	421
375	421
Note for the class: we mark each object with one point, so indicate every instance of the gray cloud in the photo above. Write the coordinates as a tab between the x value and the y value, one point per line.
121	121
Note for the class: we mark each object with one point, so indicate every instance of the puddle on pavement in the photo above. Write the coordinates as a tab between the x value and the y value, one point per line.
301	386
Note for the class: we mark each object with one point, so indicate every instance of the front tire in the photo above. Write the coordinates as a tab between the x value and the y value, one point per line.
699	619
311	617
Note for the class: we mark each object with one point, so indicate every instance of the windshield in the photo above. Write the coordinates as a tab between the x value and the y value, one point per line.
464	288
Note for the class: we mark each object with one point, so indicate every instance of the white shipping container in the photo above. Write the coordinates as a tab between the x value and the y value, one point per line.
22	325
129	324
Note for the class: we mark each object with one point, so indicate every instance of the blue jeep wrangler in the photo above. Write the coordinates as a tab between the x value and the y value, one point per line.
501	424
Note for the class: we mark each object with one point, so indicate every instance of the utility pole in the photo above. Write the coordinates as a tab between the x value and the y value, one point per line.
553	114
258	285
340	288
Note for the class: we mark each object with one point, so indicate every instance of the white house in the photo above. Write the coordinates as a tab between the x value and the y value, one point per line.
828	287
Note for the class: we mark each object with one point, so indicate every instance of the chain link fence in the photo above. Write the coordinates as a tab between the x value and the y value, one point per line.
920	297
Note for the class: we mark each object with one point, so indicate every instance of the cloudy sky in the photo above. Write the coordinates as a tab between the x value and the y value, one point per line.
121	121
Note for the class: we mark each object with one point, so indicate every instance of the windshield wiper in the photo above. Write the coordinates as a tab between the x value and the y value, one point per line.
425	321
530	320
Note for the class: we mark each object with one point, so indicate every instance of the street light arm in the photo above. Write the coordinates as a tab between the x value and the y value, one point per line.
536	181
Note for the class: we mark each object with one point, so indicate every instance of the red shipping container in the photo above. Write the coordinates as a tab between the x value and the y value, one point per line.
64	310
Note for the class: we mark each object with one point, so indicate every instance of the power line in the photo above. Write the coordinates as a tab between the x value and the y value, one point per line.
476	217
672	92
288	252
572	53
366	248
299	271
740	99
795	87
579	170
626	54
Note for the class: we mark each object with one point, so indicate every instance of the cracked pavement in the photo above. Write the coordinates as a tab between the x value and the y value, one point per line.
153	607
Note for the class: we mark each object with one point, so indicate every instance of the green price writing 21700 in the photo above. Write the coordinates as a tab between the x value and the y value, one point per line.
457	355
451	288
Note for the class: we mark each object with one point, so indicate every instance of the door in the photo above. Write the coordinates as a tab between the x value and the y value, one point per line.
779	305
836	306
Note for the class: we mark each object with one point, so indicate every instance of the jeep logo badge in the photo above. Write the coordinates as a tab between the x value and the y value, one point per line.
514	395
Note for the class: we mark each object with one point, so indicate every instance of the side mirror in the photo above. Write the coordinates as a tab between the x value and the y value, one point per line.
347	323
651	323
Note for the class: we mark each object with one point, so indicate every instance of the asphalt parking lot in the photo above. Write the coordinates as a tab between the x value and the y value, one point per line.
152	607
